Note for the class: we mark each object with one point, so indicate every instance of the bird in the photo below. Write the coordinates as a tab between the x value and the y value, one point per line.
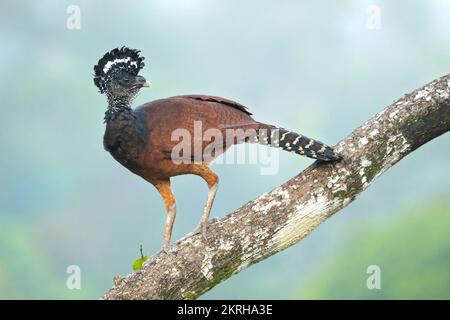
142	138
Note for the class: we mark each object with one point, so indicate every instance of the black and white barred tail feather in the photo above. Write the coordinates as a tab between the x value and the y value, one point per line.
294	142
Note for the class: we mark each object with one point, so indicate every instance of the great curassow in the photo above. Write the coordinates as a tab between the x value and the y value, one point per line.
141	139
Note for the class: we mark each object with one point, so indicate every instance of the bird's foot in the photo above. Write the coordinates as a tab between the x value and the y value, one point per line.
202	229
165	248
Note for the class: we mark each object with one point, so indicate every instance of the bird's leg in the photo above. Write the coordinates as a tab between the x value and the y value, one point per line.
205	217
212	180
171	213
165	190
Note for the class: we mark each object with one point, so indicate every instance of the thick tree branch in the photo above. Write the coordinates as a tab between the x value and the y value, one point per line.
284	216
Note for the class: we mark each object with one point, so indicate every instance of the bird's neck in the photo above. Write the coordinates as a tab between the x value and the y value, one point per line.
125	133
117	105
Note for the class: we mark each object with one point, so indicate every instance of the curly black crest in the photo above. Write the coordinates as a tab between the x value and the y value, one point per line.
115	61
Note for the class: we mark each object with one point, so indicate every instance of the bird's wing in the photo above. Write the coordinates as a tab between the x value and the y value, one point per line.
220	100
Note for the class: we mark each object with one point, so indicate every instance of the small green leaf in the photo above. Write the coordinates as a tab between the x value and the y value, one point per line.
137	264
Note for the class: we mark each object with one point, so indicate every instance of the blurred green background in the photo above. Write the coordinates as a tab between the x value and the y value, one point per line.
310	66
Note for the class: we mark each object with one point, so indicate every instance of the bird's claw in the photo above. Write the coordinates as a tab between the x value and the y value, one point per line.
165	248
201	229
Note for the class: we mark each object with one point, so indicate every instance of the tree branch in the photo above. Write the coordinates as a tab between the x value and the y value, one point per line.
284	216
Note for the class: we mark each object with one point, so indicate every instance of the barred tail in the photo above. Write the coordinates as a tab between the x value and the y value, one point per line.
297	143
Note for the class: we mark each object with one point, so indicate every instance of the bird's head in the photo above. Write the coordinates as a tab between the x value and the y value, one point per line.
116	74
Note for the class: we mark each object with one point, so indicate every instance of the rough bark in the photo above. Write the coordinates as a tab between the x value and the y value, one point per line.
284	216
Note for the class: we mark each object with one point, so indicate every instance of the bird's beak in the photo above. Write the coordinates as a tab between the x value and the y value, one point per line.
142	82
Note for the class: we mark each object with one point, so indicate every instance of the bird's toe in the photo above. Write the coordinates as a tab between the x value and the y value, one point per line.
202	229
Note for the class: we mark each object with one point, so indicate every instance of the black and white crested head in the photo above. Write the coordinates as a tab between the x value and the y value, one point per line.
117	63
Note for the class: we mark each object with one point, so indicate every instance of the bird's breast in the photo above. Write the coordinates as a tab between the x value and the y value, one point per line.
126	139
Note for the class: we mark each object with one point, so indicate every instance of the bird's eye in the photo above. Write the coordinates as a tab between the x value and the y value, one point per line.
126	80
